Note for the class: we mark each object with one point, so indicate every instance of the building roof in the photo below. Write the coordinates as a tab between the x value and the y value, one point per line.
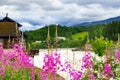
7	19
8	29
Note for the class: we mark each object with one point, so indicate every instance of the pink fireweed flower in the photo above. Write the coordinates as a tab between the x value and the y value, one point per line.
107	70
24	60
2	70
19	58
117	55
10	57
51	63
43	75
1	50
87	61
18	48
88	64
15	60
75	75
67	65
32	75
92	75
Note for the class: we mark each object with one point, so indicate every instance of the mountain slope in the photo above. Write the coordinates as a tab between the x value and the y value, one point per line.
98	22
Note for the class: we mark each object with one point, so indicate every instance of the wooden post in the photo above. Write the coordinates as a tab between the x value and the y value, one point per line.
22	39
56	38
67	53
48	40
87	38
67	60
12	42
17	34
9	41
73	59
118	38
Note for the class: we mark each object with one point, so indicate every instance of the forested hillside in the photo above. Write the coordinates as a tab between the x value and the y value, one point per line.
64	31
109	31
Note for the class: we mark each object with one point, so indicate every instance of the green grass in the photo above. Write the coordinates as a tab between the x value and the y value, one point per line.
79	36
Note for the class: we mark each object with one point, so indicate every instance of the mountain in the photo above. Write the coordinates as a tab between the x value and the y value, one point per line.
98	22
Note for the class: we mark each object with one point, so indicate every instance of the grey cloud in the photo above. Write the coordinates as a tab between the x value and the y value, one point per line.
110	3
66	12
20	5
25	5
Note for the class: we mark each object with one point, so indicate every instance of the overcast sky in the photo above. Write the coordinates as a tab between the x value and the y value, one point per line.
34	14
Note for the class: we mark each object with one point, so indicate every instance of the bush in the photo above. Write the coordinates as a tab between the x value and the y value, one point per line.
99	45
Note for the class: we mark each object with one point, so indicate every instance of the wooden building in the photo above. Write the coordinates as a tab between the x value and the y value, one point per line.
9	32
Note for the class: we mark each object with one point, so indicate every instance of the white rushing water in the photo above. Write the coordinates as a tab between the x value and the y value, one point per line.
75	57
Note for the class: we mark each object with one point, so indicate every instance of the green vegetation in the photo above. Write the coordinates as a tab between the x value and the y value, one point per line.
41	34
63	31
112	30
79	36
99	45
108	30
75	36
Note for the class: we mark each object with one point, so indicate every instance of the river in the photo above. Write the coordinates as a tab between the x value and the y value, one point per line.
75	57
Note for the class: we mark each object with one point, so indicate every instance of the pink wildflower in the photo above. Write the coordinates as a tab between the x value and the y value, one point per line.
107	70
2	70
117	55
87	61
75	75
51	63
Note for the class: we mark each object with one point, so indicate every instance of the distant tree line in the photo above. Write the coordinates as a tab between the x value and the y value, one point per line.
108	30
64	31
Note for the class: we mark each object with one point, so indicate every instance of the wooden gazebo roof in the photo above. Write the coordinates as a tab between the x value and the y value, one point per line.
7	19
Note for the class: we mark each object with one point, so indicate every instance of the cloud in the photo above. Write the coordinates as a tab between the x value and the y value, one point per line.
53	5
35	13
27	26
106	3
